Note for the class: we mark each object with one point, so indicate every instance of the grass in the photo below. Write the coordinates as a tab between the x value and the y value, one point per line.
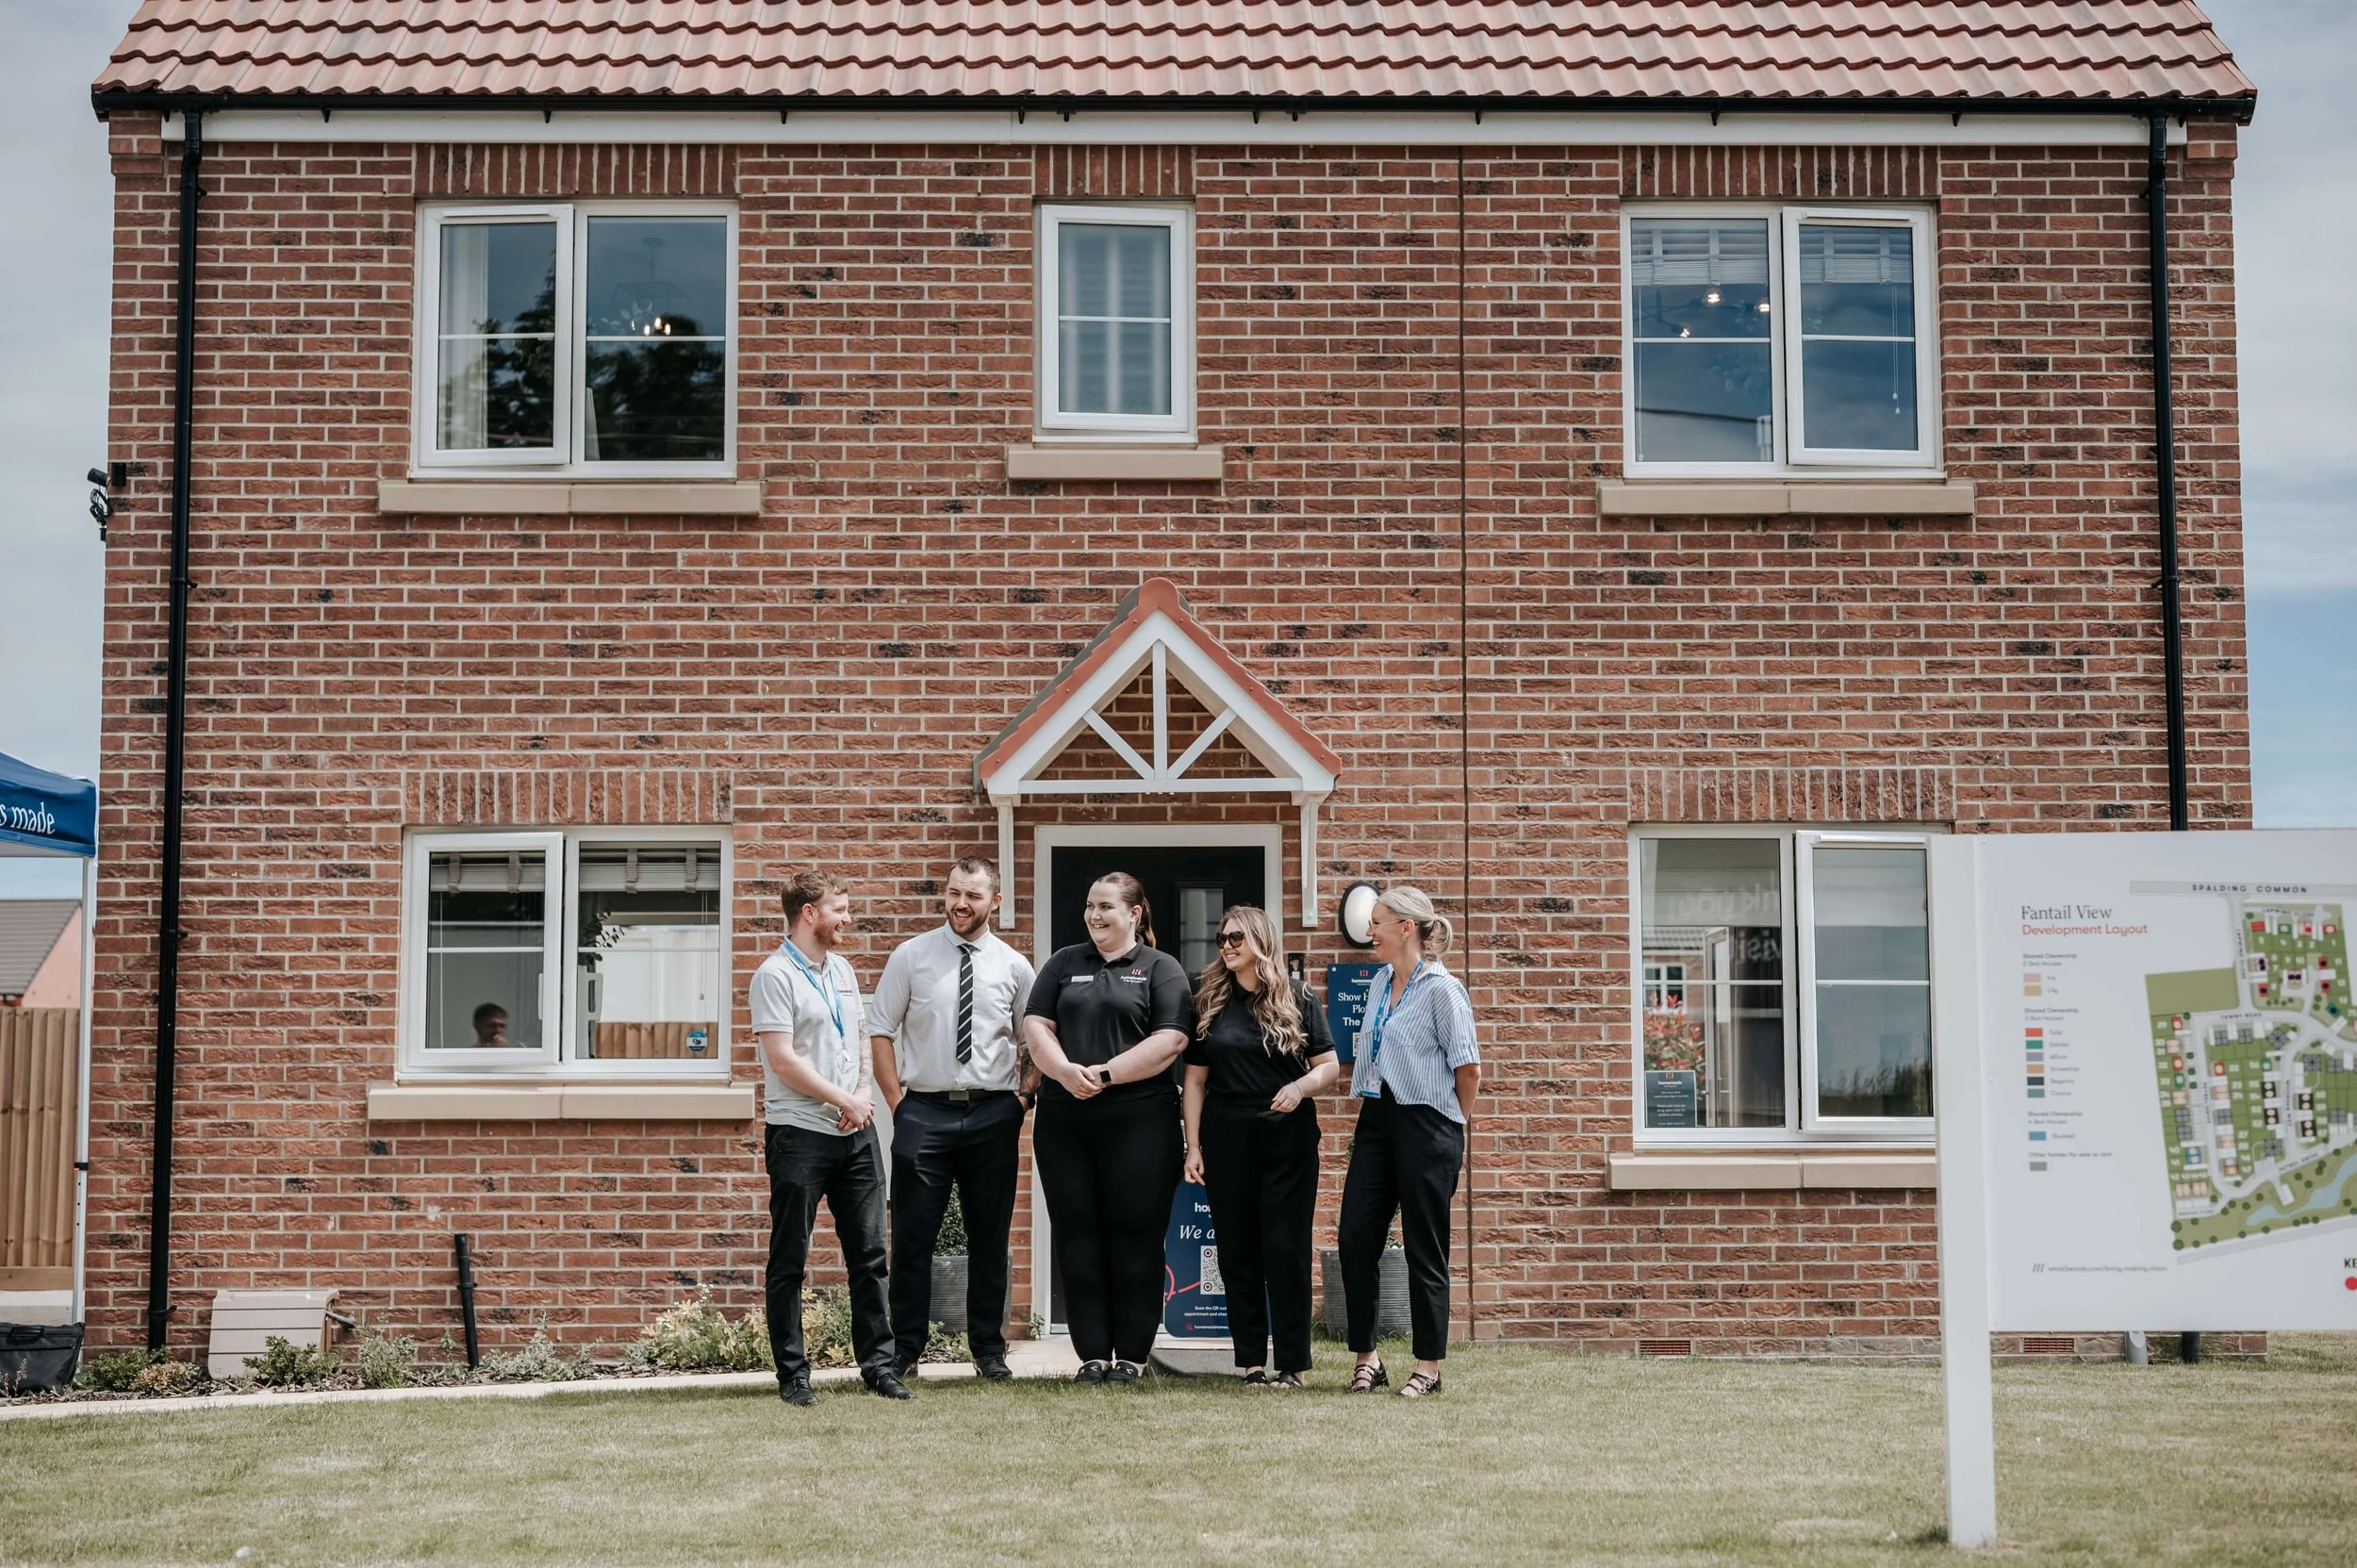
1531	1457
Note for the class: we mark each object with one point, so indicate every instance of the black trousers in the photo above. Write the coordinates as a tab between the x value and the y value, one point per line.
1404	1161
1108	1170
1261	1172
937	1145
847	1171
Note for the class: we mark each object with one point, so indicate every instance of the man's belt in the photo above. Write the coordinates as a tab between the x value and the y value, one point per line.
960	1097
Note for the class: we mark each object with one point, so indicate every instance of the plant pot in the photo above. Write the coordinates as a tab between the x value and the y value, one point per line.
951	1274
1390	1293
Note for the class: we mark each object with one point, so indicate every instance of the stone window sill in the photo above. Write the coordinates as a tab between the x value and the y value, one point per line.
1185	464
712	498
514	1102
1781	498
1773	1170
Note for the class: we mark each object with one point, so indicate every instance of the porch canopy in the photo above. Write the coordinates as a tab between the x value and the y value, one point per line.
1197	723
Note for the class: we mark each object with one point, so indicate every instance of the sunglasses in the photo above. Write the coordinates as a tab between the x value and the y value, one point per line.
1232	939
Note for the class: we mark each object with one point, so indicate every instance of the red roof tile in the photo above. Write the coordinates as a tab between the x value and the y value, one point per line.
1804	50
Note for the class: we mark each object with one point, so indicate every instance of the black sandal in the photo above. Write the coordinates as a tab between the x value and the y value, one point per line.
1419	1385
1369	1376
1286	1380
1257	1378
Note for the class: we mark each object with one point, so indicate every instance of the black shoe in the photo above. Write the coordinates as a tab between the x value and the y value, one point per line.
1090	1372
906	1371
1123	1372
1286	1380
1257	1378
886	1386
1367	1377
993	1368
798	1393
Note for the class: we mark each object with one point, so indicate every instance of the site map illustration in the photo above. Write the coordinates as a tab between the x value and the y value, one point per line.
2256	1065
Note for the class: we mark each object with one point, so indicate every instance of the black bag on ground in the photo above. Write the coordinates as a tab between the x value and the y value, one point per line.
38	1358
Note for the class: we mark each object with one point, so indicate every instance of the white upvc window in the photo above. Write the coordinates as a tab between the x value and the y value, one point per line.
592	952
1765	339
1800	1009
1116	320
580	338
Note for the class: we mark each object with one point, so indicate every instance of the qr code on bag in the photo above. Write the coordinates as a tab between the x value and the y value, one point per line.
1213	1284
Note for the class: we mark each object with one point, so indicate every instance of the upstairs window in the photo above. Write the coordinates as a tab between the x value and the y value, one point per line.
1780	340
1116	347
577	338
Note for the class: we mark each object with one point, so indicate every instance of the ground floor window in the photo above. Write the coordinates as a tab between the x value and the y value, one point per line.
587	949
1782	983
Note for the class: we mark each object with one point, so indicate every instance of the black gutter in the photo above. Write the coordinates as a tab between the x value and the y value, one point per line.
2165	468
168	933
101	102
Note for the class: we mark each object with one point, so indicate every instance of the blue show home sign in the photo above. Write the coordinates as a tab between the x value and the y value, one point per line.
1189	1310
1346	987
42	810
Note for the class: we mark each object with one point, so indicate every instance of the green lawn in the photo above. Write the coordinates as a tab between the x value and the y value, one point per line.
1531	1457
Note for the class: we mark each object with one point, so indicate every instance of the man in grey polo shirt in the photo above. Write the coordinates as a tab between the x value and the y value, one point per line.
949	1062
820	1137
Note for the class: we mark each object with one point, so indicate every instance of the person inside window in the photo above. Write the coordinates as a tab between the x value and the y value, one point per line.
490	1027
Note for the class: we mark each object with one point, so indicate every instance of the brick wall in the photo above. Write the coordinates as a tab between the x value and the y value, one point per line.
1414	365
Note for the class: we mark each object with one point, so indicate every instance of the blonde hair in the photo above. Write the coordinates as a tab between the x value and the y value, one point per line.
1274	1007
1414	905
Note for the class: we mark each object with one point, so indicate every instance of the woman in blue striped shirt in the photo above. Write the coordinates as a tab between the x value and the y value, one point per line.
1417	1072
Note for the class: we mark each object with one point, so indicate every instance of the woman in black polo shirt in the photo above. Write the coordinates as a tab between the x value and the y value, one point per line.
1107	1017
1260	1050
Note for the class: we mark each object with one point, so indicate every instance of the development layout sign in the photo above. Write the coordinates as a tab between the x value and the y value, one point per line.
2164	1074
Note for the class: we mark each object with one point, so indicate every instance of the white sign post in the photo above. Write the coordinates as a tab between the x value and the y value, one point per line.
2146	1059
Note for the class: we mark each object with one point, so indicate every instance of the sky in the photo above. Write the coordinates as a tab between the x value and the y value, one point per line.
2295	231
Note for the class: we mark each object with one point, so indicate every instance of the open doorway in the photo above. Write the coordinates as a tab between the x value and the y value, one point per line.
1190	873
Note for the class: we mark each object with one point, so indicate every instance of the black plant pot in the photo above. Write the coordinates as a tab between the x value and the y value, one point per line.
1390	1293
949	1275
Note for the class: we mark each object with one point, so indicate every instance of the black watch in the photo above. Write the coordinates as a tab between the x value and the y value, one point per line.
1105	1077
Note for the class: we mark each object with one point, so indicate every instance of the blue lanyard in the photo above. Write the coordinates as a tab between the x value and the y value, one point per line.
1381	1021
828	993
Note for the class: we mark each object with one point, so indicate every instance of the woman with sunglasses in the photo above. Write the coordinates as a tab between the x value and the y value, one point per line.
1414	1074
1260	1051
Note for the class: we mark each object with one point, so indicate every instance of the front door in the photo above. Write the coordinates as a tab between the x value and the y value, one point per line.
1187	887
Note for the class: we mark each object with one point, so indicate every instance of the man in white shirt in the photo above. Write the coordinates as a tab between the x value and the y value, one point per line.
947	1056
820	1139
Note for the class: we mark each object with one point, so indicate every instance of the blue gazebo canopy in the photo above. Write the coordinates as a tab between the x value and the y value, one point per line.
45	812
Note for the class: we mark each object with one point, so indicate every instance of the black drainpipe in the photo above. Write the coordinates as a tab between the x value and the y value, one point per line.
2165	462
168	933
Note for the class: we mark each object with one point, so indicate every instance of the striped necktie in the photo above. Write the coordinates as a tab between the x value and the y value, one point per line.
965	1002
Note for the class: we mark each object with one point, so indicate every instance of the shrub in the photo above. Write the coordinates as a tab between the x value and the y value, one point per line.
283	1365
540	1361
383	1363
951	1243
826	1326
117	1372
163	1376
695	1336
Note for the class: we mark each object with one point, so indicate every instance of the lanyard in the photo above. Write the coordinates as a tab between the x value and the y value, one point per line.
1381	1021
828	993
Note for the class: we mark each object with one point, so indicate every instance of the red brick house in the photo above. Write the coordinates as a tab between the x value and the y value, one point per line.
1634	471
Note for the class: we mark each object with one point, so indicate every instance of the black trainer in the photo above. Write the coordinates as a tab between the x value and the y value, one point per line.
798	1393
994	1368
886	1386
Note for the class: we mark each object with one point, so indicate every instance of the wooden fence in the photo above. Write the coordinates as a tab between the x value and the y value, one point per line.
40	1099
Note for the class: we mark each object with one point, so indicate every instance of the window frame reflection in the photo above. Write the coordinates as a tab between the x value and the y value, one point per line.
570	455
1803	1124
1787	454
1176	223
558	1051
